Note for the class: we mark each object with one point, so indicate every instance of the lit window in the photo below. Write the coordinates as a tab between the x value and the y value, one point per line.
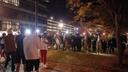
6	1
13	2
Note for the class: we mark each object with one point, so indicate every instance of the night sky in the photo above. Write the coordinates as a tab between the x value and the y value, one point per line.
58	10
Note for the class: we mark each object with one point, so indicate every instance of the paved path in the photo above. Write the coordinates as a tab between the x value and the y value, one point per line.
55	67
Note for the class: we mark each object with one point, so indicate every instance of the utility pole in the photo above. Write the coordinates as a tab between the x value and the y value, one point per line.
35	13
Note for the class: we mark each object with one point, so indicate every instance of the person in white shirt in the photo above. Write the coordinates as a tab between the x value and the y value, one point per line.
98	45
31	44
43	51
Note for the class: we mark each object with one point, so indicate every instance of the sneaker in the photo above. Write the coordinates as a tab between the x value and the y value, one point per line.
41	65
45	66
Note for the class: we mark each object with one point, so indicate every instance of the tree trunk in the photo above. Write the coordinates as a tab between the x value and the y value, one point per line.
117	40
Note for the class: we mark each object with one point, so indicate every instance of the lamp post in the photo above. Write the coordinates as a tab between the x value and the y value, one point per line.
36	13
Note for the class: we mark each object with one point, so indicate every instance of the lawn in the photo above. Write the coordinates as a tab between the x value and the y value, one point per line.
68	61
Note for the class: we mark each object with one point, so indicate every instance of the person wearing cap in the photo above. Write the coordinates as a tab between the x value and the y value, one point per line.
10	49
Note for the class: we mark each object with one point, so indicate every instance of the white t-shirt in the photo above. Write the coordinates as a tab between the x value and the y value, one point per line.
44	45
31	47
2	41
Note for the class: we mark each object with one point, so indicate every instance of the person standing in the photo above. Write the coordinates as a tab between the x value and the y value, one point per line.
98	45
19	52
43	51
10	49
73	43
104	46
66	43
2	45
78	42
57	40
86	42
31	44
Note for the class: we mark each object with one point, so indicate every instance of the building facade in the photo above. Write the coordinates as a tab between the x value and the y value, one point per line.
53	26
23	13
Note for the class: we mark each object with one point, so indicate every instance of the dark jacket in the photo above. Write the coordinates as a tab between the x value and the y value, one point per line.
10	45
19	42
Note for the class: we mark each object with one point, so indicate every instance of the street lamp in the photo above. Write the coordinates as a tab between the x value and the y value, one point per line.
27	31
36	13
37	31
61	25
51	18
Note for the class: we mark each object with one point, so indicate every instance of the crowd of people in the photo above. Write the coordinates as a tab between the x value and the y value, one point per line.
31	49
28	49
89	43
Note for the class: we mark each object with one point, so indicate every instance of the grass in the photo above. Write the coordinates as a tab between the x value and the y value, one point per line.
68	61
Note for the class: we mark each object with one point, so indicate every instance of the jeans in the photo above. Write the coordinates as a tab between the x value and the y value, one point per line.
10	56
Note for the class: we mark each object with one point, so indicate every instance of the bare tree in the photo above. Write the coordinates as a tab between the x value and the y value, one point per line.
119	13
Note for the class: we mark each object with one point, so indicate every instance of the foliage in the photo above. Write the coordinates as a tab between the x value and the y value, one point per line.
120	9
95	13
107	15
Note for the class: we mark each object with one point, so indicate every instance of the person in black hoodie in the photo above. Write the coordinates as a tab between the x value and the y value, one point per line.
78	42
19	52
104	46
10	49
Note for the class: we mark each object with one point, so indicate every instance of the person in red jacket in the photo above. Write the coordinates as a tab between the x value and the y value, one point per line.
10	49
43	51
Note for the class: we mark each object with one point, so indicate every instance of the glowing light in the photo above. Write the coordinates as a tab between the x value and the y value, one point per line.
77	28
37	31
51	18
61	25
67	32
27	31
6	1
84	33
104	33
127	33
